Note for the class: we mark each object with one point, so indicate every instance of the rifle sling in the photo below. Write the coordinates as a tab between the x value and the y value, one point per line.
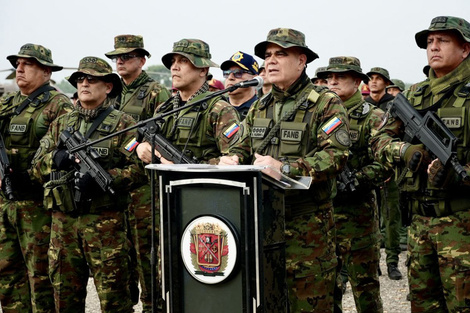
31	97
98	121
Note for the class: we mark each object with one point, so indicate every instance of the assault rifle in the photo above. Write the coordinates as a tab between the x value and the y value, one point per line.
165	147
429	130
5	171
87	162
347	181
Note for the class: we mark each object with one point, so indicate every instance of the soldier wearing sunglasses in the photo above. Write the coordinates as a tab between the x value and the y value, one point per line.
240	67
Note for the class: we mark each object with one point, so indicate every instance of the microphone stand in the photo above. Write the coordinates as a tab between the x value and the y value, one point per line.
152	128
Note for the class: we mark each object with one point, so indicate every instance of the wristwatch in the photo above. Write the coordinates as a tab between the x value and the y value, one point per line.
285	168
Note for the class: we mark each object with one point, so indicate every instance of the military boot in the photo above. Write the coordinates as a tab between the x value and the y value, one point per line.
393	271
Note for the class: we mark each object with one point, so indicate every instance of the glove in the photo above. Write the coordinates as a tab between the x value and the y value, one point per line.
436	173
84	183
63	160
415	157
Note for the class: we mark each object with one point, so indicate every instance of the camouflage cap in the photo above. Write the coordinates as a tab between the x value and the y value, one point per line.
97	67
286	38
37	52
128	43
443	23
320	73
397	83
382	72
243	60
344	64
197	51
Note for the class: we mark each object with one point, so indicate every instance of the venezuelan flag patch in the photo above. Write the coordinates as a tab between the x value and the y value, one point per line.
131	145
331	125
232	130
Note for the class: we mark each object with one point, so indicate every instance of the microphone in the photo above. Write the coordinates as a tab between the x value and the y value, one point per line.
255	82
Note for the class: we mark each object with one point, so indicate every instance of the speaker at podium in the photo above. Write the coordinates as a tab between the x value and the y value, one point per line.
222	239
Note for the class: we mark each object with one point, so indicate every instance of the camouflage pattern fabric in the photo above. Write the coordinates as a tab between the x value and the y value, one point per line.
195	50
127	43
391	220
96	238
140	100
438	263
212	136
356	213
310	230
33	51
24	223
439	268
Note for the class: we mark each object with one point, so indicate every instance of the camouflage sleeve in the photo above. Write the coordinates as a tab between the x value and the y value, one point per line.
41	165
374	173
57	106
158	95
331	130
224	128
129	174
385	144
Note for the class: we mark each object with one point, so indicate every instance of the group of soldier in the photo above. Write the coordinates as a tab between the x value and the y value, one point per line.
58	226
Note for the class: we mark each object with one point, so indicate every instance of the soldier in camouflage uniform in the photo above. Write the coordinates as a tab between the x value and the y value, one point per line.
396	87
90	235
301	129
140	96
439	234
206	131
25	117
355	205
390	217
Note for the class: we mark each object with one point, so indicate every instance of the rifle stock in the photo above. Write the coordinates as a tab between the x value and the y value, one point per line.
5	170
87	162
164	146
430	131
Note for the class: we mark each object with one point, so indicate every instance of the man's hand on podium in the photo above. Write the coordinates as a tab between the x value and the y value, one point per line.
229	160
273	166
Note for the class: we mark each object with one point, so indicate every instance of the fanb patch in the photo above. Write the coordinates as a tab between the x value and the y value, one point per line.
291	135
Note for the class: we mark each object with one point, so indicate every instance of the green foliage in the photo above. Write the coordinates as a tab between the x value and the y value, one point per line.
66	87
161	74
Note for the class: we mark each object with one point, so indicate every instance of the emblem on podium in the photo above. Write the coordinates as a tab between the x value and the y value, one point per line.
209	249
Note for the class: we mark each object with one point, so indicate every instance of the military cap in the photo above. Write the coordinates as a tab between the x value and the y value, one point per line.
217	84
37	52
443	23
397	83
263	66
286	38
426	69
97	67
243	60
128	43
365	89
197	51
320	73
382	72
344	64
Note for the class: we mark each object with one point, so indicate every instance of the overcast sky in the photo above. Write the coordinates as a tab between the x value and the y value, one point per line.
379	33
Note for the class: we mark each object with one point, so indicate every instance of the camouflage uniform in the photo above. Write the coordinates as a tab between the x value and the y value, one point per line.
140	99
390	215
216	121
356	215
439	234
91	235
317	151
24	223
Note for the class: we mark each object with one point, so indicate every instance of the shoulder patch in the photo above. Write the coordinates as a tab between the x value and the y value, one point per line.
232	130
331	125
343	137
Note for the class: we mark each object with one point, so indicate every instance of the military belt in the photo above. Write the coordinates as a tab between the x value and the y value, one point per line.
439	208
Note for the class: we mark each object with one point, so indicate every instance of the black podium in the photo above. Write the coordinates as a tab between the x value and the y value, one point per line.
222	239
